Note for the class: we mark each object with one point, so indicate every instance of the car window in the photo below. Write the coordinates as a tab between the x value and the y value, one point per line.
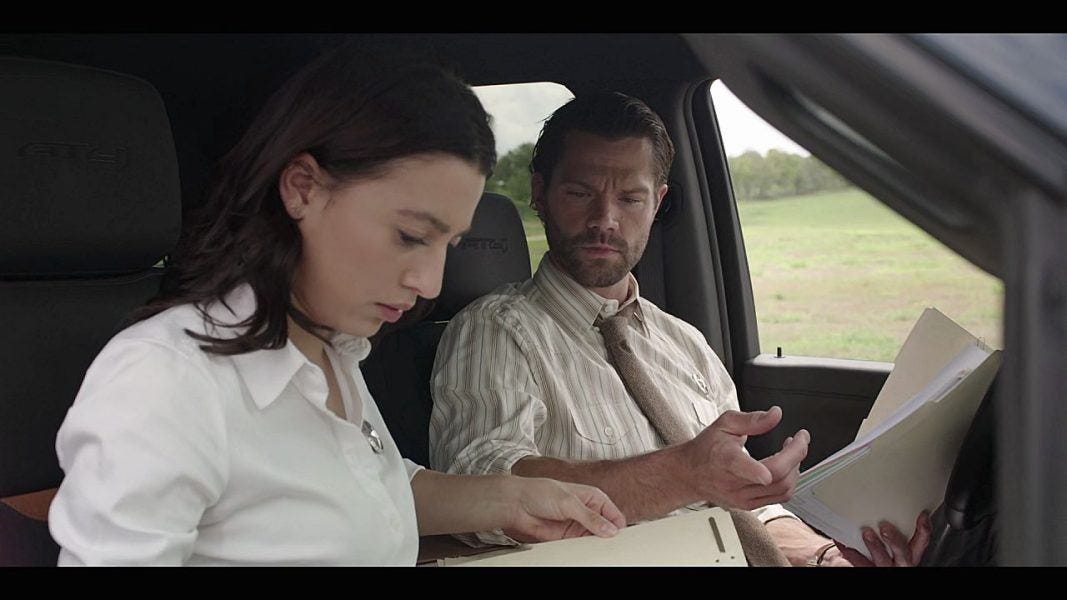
518	111
836	273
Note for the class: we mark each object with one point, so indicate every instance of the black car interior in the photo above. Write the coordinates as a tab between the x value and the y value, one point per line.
107	140
91	205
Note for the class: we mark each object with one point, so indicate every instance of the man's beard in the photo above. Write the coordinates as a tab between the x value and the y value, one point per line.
592	272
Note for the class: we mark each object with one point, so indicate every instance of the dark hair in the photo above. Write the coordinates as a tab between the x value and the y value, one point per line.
354	114
612	115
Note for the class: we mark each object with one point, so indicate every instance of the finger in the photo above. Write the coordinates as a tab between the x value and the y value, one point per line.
879	555
783	486
775	493
574	529
528	528
600	502
748	423
575	509
921	539
898	544
760	502
754	502
747	469
754	495
788	459
853	556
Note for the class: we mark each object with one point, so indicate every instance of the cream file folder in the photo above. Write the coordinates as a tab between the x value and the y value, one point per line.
704	538
903	456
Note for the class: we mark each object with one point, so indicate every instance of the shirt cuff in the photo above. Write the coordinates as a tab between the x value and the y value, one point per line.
412	468
772	511
500	463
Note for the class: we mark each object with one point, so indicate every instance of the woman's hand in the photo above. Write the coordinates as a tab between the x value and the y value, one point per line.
546	509
527	508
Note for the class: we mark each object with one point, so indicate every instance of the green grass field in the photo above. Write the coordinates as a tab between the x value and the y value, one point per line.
841	275
535	239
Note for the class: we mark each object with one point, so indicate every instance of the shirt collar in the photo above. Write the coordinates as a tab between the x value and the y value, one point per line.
575	305
266	373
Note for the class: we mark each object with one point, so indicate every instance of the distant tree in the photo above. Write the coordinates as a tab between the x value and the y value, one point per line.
822	177
748	175
778	174
784	170
511	177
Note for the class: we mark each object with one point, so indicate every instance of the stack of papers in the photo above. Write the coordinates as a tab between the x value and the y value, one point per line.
905	450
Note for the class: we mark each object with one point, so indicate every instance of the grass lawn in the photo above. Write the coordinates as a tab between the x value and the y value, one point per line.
841	275
535	239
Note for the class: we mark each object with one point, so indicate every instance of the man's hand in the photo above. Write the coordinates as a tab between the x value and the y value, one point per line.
720	470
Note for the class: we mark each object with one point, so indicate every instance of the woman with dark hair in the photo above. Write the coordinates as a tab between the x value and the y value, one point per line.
230	424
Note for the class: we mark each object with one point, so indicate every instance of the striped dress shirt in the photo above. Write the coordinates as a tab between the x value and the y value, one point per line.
523	372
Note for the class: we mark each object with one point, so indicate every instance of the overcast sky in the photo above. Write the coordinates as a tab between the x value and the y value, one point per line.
519	110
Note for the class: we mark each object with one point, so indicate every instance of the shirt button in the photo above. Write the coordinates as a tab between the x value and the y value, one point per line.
608	431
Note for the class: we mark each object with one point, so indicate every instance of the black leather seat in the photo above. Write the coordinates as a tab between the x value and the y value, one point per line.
91	203
398	369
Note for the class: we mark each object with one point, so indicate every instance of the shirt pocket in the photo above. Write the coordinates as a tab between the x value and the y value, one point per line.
694	395
705	409
607	423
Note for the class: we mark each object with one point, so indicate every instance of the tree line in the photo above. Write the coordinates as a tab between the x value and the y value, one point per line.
776	174
755	176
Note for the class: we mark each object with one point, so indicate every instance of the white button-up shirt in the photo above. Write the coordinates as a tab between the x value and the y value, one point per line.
176	456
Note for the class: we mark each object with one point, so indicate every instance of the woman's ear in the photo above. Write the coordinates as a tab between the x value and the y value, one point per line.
299	185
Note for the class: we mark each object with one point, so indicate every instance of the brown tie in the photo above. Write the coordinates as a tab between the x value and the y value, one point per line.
759	546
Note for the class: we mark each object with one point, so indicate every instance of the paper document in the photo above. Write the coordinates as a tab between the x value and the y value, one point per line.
904	452
704	538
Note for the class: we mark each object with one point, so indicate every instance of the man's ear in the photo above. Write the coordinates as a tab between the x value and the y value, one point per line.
537	194
299	183
661	192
